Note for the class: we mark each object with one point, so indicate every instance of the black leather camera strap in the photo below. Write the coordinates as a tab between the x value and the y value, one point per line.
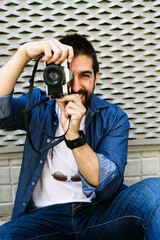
30	107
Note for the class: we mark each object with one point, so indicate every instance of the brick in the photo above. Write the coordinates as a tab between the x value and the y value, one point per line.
149	154
131	181
15	174
133	155
10	155
132	168
4	175
6	194
16	162
6	209
150	167
4	162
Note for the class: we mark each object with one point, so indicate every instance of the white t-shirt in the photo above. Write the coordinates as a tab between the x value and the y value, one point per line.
49	191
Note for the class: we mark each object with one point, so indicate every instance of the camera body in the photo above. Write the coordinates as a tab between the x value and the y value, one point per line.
56	78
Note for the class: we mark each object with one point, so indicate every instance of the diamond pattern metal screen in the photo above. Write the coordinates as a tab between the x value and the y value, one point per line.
126	36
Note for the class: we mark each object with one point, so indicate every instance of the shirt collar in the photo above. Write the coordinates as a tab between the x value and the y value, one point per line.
97	103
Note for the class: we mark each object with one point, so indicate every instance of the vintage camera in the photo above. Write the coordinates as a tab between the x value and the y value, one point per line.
56	78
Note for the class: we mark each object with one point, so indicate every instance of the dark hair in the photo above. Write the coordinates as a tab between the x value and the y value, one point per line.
81	46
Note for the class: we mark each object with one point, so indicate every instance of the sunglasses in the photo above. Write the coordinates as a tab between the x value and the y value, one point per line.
61	177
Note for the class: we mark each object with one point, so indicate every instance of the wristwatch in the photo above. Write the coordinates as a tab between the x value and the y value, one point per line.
78	142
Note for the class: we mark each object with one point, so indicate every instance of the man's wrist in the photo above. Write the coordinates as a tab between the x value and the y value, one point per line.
76	142
22	51
71	136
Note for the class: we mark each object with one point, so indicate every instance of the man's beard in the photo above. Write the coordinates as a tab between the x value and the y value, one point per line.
86	95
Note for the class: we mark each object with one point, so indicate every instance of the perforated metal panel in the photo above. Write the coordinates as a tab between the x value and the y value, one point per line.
126	36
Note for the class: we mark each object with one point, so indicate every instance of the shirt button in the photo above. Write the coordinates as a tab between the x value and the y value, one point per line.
33	183
55	123
41	161
24	204
48	140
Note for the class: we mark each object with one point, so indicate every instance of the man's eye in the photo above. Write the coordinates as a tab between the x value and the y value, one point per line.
86	75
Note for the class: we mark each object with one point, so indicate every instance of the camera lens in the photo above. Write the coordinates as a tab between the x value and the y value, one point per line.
53	75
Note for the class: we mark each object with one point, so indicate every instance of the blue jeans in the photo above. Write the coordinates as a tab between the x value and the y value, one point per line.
133	214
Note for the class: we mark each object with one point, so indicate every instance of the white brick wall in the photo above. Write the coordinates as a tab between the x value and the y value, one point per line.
143	162
9	172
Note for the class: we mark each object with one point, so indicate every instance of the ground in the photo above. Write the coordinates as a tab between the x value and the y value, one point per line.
4	218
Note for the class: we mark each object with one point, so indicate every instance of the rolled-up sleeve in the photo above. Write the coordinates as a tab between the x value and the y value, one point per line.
106	167
5	105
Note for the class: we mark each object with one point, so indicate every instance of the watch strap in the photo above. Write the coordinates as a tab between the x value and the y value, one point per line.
78	142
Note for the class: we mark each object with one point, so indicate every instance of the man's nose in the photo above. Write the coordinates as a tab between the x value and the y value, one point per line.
76	86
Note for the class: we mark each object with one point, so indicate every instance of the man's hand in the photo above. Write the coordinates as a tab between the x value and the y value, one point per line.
71	105
53	50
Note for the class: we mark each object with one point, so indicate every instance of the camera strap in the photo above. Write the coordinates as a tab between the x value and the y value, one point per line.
30	107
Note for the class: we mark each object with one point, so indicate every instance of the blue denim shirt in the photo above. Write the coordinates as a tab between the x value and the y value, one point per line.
106	130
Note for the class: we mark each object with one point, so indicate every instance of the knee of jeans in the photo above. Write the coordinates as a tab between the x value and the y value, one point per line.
151	187
152	183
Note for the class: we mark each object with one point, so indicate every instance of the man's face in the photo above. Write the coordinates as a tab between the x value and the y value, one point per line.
84	80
